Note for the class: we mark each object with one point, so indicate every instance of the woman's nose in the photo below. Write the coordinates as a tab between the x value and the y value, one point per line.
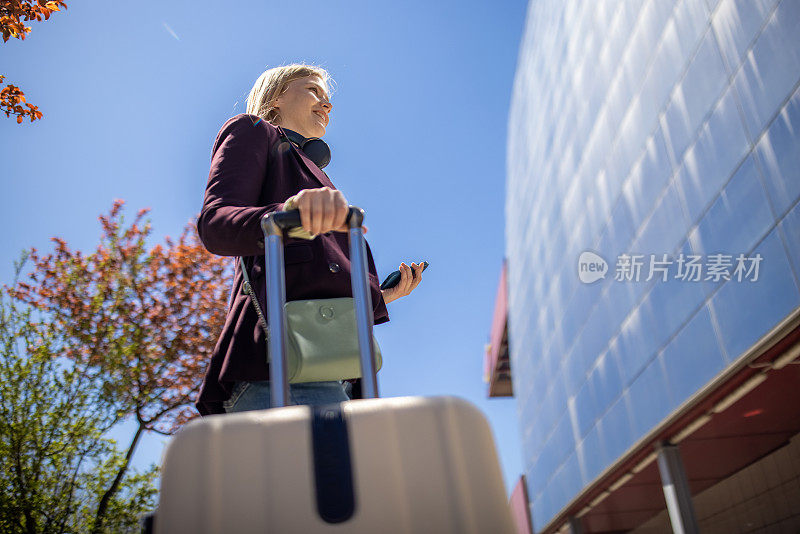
327	106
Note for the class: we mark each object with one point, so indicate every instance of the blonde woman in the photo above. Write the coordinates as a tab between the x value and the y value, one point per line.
255	170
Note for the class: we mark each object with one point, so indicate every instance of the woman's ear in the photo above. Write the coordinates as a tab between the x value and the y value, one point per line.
272	109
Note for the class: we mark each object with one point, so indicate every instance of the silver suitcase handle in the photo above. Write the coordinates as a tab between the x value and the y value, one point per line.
274	224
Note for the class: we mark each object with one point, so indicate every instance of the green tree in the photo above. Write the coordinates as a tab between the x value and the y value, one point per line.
54	462
143	320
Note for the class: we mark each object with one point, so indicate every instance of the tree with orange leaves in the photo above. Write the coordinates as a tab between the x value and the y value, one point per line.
13	15
145	320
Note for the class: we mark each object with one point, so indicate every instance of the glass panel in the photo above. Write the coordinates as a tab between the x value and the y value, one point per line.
578	310
709	163
586	408
671	302
596	335
694	97
542	470
691	19
574	373
746	310
736	221
666	65
617	433
779	156
650	400
665	229
693	357
736	24
592	454
619	298
772	67
538	499
606	380
712	4
648	179
636	345
790	225
618	234
571	480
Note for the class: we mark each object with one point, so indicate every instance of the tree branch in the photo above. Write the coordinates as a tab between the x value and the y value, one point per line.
102	507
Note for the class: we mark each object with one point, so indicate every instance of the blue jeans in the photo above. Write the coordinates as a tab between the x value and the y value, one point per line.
248	396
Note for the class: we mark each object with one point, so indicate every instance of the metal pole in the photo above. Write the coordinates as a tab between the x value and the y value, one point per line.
363	304
575	526
276	285
676	490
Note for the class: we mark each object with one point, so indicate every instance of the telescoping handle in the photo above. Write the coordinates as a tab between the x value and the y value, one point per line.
274	224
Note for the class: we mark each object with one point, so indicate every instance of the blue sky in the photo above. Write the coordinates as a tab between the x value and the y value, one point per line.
134	94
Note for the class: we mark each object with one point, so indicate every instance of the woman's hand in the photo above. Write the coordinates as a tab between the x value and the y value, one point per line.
406	285
322	210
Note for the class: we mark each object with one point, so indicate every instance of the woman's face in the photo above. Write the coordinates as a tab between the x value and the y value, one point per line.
304	106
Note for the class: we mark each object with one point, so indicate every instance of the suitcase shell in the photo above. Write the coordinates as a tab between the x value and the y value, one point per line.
398	465
419	465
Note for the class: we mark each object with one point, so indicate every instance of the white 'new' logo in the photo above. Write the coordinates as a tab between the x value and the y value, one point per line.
591	267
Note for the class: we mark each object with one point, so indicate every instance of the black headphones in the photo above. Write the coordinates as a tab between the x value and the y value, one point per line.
315	148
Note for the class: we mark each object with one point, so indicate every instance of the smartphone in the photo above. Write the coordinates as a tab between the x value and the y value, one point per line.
394	278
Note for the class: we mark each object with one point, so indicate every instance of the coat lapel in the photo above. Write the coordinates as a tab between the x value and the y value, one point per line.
321	177
313	169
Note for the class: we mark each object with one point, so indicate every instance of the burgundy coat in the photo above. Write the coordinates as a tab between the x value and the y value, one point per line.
253	171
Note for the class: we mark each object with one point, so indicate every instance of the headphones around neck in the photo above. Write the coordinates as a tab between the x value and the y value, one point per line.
315	148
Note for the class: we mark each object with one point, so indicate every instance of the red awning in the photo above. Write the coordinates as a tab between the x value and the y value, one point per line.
497	368
519	507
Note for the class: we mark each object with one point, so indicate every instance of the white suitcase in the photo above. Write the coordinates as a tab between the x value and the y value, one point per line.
398	465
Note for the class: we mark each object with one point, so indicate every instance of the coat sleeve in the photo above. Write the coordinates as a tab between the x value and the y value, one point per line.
230	221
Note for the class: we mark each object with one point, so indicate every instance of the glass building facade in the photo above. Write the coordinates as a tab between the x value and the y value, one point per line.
654	134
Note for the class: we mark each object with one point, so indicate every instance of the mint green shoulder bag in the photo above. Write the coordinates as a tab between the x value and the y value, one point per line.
322	342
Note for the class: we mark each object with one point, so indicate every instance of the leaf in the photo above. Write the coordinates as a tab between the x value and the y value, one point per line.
19	119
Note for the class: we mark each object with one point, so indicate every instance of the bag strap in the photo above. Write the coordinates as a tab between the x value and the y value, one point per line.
248	289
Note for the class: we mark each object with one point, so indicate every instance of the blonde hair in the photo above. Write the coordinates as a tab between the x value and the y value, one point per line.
273	82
